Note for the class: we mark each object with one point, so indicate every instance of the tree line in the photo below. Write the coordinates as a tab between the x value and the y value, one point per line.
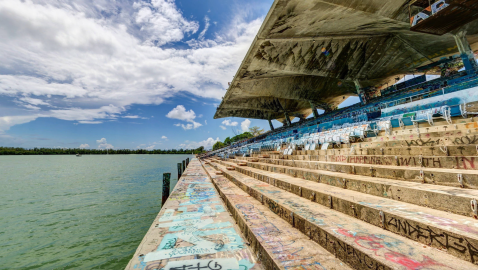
74	151
253	132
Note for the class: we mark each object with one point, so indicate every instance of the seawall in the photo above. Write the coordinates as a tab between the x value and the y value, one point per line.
194	230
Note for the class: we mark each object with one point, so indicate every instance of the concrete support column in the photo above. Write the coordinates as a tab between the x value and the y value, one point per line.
314	110
270	124
287	119
360	92
466	52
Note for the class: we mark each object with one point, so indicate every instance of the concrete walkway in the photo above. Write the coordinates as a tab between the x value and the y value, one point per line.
194	231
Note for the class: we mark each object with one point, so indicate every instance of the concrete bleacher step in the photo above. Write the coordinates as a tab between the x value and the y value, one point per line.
437	176
277	244
444	162
417	139
428	226
403	150
355	242
440	125
451	199
449	134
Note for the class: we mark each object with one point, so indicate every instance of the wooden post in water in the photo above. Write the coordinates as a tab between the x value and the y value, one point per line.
187	162
180	171
166	183
184	165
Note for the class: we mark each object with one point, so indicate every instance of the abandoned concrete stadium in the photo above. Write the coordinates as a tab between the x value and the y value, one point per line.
388	183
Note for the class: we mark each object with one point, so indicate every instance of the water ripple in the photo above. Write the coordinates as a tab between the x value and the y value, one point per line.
77	213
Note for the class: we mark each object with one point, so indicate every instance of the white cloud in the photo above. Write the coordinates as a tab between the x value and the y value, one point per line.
245	125
103	144
206	27
223	127
181	113
205	122
78	114
68	60
34	101
229	123
149	148
9	121
31	107
90	122
193	145
84	146
187	126
164	138
162	22
193	125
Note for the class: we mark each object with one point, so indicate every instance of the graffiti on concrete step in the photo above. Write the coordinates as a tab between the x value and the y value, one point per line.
312	266
271	236
210	264
465	140
380	244
421	142
441	239
457	162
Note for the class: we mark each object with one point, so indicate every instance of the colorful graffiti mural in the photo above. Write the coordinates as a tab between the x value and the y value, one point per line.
194	231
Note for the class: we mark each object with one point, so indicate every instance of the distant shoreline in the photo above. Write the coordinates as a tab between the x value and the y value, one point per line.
88	154
15	151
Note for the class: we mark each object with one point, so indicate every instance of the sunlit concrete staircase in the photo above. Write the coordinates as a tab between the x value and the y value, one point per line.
405	200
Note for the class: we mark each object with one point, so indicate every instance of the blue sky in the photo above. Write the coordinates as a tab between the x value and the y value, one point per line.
121	74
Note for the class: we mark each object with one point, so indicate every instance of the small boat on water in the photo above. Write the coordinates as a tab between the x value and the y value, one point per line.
78	155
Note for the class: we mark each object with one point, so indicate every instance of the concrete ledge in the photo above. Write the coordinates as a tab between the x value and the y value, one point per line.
194	228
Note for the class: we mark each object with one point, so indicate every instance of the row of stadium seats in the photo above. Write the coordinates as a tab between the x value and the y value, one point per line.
357	121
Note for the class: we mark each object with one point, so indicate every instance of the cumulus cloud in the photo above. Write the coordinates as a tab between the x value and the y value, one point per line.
193	125
181	113
162	22
164	138
84	146
103	144
206	143
245	125
223	127
229	123
71	59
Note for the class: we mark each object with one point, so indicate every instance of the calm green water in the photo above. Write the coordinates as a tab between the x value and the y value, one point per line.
65	212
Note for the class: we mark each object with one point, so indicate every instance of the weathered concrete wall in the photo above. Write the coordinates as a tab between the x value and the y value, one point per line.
194	225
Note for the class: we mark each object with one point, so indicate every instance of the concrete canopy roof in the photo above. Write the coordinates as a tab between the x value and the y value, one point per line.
313	50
